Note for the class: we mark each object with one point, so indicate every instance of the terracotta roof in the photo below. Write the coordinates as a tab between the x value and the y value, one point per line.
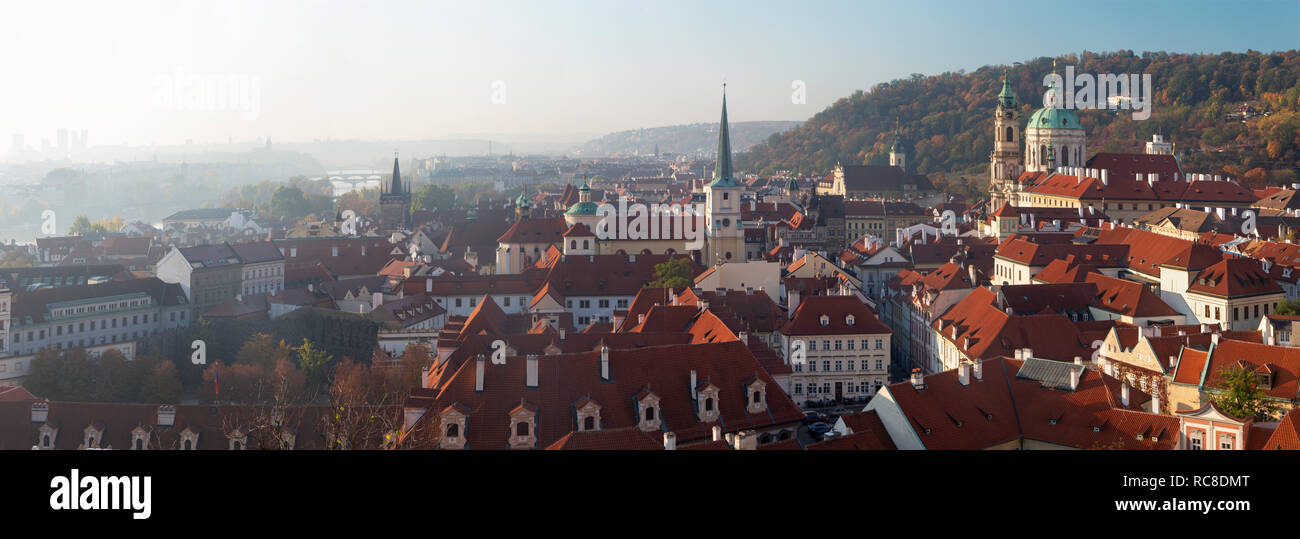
1234	277
624	439
1287	433
535	231
1127	297
807	317
562	379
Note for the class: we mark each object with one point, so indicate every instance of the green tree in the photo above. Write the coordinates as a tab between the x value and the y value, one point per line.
43	376
312	361
16	258
112	378
1288	307
673	273
1240	395
289	201
162	385
433	197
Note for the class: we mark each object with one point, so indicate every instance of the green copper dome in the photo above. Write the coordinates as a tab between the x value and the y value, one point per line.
522	201
583	208
1054	118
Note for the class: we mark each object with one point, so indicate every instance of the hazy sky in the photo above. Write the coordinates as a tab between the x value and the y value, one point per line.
403	70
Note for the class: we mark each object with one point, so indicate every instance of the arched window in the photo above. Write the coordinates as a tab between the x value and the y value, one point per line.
45	442
650	414
139	444
573	244
758	397
521	429
589	423
708	404
188	445
1011	137
453	430
90	441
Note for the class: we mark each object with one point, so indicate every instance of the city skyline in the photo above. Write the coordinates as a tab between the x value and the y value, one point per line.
572	70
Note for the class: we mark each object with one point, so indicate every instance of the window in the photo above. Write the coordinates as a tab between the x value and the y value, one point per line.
851	362
453	430
589	423
824	320
812	366
604	304
812	345
1195	440
880	364
839	344
864	344
826	366
850	344
1216	314
458	300
826	344
708	404
839	365
880	343
798	389
650	414
521	429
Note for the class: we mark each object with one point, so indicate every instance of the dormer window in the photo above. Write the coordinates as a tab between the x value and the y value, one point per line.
757	401
648	406
238	440
587	413
92	438
189	439
825	320
454	420
848	320
523	426
707	403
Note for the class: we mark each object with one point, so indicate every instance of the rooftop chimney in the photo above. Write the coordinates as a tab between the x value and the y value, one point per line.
694	383
717	433
531	371
428	285
1029	353
1155	401
746	440
562	334
166	415
1105	176
1078	360
478	372
918	381
977	367
1074	379
670	441
1124	395
604	363
40	412
963	373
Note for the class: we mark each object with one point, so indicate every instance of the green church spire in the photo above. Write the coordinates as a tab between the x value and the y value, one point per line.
722	171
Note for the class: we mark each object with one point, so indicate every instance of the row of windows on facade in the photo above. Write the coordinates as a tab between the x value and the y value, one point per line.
839	344
850	388
265	287
1196	440
1241	312
189	440
826	365
103	324
104	307
264	272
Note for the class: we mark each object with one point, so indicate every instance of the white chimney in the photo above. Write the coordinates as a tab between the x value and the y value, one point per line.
977	367
40	412
531	371
1214	339
1124	395
604	363
717	433
963	373
428	285
694	383
746	440
1105	176
1078	360
166	415
1020	352
1155	401
1029	353
1074	379
478	372
670	441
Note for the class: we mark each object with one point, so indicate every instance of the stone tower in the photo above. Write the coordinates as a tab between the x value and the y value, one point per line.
1005	162
395	203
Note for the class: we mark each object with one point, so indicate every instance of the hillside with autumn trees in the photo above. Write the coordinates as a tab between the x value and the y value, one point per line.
947	119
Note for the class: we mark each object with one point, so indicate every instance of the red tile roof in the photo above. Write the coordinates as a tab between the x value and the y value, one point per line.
807	317
1234	277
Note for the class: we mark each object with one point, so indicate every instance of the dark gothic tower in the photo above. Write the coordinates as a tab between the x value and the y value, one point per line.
395	203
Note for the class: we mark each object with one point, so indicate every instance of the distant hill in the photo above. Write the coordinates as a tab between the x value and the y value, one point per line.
947	119
701	138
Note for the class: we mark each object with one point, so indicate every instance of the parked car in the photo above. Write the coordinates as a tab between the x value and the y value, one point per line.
839	411
819	428
814	417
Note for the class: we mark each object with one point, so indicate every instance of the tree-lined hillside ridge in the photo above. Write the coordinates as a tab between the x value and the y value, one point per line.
1232	113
